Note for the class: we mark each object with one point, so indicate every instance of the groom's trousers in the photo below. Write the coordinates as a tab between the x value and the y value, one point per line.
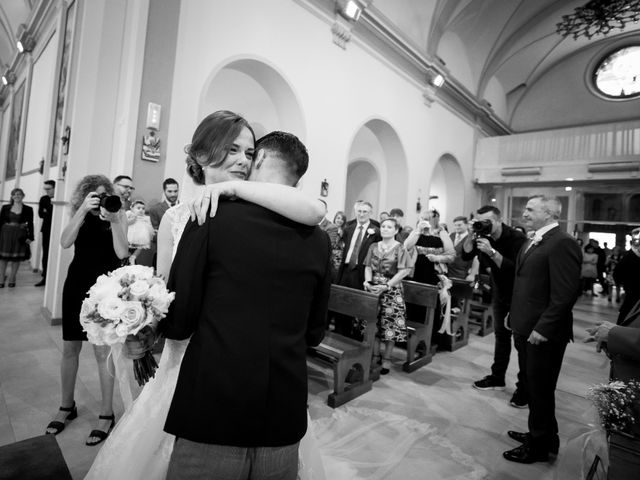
192	460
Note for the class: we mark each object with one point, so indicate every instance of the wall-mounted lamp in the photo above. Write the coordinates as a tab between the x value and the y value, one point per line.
349	9
9	78
25	45
25	41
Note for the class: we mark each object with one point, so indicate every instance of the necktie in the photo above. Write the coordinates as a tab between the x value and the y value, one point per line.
353	259
457	240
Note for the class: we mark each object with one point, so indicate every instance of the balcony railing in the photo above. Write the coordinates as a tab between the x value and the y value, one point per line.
596	152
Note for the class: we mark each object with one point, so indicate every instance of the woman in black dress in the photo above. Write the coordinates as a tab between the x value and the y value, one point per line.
434	249
16	233
100	241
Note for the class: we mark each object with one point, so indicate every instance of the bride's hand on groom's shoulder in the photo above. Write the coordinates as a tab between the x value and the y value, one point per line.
209	197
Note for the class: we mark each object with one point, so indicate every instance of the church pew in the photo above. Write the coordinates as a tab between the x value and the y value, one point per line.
419	330
480	310
461	293
345	354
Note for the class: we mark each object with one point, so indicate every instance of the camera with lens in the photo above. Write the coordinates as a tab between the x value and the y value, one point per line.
482	228
111	203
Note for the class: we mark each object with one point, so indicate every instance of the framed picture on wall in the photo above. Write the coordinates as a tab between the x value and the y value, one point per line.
62	81
14	132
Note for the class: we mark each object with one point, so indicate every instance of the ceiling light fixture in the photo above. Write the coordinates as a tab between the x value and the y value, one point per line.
349	9
599	17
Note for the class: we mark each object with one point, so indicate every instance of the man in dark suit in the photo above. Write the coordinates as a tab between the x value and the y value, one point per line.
45	212
358	237
252	287
546	287
171	190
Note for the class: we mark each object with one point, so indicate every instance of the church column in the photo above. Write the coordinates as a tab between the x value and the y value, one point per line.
101	110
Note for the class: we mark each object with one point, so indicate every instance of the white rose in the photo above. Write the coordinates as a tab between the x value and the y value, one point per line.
104	288
138	288
93	332
110	335
133	316
161	298
111	308
140	272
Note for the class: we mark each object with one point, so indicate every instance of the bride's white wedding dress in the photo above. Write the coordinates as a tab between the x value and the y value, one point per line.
138	447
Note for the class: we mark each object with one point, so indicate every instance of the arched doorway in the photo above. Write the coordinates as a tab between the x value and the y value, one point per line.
377	168
363	183
446	191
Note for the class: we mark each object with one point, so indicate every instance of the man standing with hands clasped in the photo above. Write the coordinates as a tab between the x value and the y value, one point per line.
546	287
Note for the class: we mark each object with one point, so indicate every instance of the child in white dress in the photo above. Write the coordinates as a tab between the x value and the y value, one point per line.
140	232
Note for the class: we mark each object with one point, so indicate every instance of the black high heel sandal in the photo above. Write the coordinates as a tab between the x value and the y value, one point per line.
102	436
59	426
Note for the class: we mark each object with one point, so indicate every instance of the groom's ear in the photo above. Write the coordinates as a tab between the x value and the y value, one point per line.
258	159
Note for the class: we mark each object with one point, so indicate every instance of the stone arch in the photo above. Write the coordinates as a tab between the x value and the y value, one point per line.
257	90
377	168
446	190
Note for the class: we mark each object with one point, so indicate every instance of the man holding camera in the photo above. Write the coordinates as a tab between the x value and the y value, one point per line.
497	246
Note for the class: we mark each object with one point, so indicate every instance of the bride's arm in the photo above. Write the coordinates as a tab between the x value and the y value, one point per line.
287	201
165	247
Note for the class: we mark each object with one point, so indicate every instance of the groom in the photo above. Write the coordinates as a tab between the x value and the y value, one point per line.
252	288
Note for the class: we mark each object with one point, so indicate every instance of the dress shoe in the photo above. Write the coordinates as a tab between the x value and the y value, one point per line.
525	454
40	283
522	437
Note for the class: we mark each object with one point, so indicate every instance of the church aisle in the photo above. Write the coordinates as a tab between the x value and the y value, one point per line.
432	419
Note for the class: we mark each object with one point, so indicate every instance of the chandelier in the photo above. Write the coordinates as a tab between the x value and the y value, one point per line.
599	17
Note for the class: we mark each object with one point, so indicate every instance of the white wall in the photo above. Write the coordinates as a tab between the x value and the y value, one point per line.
39	113
338	91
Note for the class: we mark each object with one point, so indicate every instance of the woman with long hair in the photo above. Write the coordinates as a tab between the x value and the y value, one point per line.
100	243
220	154
16	233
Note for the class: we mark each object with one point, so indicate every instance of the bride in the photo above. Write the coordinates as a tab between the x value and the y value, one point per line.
138	448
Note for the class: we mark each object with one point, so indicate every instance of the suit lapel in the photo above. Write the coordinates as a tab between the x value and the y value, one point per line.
632	315
522	256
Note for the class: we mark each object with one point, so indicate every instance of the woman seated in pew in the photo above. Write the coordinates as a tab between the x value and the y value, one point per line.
386	264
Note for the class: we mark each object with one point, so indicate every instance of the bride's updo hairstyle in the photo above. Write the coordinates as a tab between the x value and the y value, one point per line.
212	140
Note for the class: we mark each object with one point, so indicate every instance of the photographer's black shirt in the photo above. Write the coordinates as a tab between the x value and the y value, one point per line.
503	277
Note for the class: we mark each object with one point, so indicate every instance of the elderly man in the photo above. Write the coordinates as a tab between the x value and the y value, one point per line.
546	287
358	237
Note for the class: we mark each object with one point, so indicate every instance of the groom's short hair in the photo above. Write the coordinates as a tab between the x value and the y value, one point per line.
288	149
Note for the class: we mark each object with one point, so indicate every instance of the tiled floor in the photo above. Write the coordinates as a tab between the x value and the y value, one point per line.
432	419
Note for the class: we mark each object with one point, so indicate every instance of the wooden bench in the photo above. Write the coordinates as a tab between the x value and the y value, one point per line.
419	332
460	299
345	354
480	310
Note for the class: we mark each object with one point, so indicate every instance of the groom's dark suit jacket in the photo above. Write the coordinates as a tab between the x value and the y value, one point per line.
252	288
546	287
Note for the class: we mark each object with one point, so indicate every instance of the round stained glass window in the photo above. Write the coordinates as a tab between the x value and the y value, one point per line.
618	74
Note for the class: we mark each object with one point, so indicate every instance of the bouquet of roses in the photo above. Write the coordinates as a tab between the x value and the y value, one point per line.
122	303
618	404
